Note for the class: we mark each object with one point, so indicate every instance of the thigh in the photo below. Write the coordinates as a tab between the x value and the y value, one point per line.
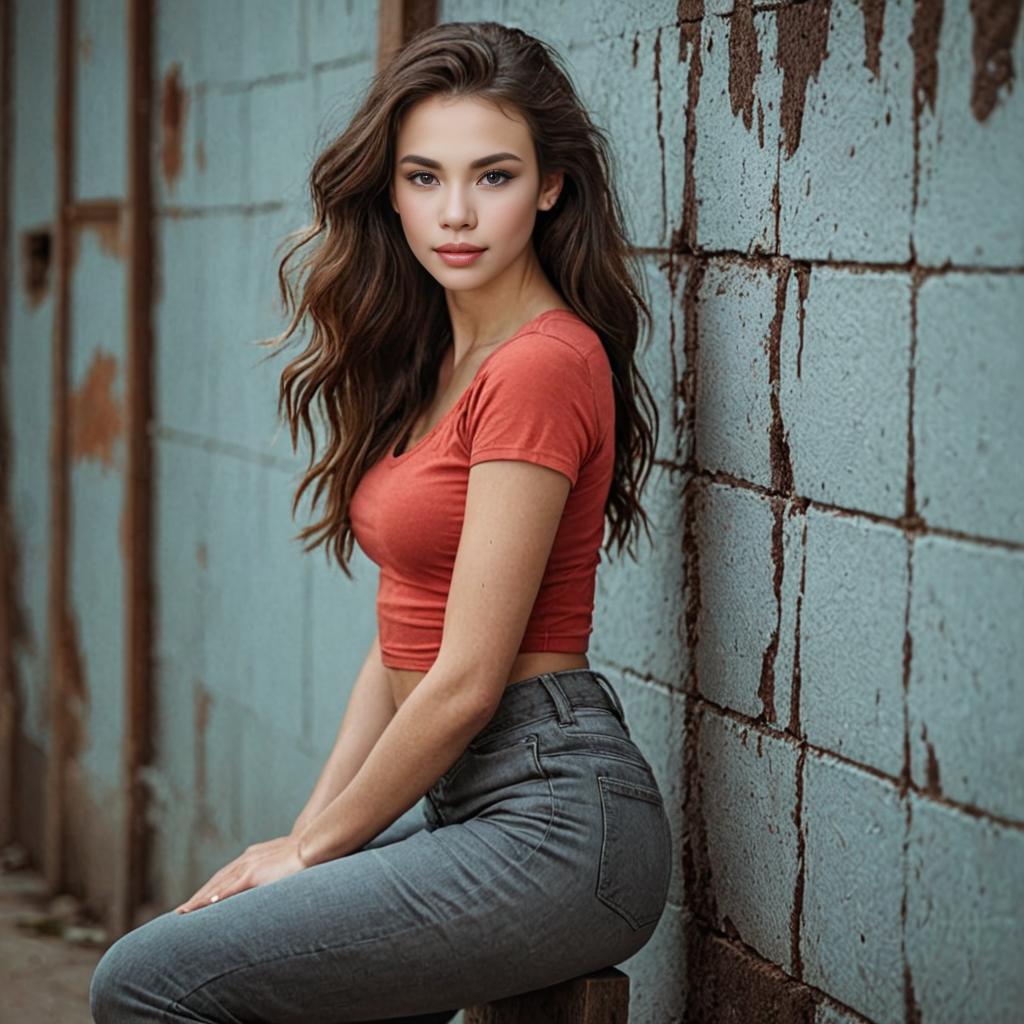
441	918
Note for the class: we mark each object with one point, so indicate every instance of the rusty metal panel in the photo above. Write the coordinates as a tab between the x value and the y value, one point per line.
96	635
99	133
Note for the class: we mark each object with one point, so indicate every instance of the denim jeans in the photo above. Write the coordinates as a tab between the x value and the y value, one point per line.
543	853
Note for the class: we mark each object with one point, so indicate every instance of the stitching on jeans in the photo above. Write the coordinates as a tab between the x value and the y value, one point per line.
177	1004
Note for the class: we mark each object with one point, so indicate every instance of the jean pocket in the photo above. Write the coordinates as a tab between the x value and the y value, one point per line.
635	863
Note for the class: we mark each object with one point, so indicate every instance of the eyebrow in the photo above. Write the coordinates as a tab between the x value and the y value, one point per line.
412	158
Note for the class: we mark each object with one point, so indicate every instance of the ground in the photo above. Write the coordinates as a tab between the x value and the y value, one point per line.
46	960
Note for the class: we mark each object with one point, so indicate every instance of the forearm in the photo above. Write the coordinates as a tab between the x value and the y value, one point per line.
421	742
370	708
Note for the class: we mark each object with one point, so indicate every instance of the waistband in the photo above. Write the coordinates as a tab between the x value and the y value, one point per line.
553	693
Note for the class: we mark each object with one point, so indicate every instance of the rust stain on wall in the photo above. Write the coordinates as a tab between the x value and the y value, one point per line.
85	47
874	25
688	14
107	232
995	29
658	128
802	47
798	507
924	41
803	284
744	64
173	108
96	420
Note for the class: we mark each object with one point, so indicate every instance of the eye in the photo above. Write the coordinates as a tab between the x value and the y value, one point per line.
505	176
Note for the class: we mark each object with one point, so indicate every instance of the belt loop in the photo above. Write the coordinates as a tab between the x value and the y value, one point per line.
561	701
605	685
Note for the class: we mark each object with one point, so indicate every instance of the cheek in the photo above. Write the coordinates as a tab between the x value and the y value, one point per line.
512	219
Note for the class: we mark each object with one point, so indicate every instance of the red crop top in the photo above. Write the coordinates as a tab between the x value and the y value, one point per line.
544	395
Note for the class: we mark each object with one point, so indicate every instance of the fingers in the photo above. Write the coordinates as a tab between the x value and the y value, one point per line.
220	887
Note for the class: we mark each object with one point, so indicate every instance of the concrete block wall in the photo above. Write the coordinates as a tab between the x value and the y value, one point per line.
821	648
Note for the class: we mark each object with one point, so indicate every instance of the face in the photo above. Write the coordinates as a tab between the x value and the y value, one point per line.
467	172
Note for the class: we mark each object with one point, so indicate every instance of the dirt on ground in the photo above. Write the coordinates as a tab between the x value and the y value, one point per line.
47	950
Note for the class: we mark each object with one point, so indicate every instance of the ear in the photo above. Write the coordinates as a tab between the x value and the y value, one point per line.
551	188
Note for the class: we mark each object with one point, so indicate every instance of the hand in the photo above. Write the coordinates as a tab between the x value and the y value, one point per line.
261	863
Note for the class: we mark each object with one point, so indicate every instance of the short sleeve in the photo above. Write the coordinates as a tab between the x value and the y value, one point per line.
535	403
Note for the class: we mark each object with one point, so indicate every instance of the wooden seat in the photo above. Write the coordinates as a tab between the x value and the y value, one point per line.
601	997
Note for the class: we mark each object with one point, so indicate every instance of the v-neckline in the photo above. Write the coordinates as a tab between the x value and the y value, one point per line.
450	411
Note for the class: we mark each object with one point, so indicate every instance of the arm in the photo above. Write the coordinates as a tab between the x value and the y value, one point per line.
369	710
512	514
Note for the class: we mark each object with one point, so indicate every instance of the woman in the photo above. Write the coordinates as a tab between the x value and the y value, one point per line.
482	423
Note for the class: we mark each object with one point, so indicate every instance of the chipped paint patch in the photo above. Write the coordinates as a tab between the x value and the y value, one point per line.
802	46
995	29
96	418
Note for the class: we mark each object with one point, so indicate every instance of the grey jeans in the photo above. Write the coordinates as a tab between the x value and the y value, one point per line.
543	853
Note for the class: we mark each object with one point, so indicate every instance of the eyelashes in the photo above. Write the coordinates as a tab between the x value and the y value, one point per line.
418	174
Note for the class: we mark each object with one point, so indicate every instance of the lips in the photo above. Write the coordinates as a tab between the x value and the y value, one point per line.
460	248
460	257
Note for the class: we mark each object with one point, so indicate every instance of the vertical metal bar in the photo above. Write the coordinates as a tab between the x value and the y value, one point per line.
138	228
58	625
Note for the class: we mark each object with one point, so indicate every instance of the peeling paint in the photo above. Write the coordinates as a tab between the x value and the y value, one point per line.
744	63
874	25
105	227
801	50
995	29
794	727
658	128
688	14
924	42
796	914
96	419
173	108
36	262
803	284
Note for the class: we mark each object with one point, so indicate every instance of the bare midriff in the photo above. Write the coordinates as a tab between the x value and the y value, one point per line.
526	664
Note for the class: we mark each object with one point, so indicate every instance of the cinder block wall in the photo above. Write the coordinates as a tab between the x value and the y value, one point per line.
822	651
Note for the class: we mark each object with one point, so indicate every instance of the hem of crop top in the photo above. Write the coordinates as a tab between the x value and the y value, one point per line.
553	645
393	459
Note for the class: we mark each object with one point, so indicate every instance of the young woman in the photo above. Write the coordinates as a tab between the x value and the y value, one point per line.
474	329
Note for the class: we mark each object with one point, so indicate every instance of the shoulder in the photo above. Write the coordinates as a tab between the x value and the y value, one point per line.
560	345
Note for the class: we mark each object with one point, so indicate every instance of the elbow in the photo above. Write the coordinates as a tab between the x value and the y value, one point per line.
474	691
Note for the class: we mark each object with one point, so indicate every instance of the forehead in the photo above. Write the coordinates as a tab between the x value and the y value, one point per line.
456	130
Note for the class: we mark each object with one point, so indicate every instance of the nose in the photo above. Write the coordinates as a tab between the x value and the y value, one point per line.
455	210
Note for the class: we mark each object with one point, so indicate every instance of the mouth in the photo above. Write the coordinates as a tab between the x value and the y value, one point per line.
459	257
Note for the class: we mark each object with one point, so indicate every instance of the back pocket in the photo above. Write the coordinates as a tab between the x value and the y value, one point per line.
635	863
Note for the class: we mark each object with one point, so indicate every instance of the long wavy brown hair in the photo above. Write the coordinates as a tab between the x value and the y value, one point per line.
380	325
